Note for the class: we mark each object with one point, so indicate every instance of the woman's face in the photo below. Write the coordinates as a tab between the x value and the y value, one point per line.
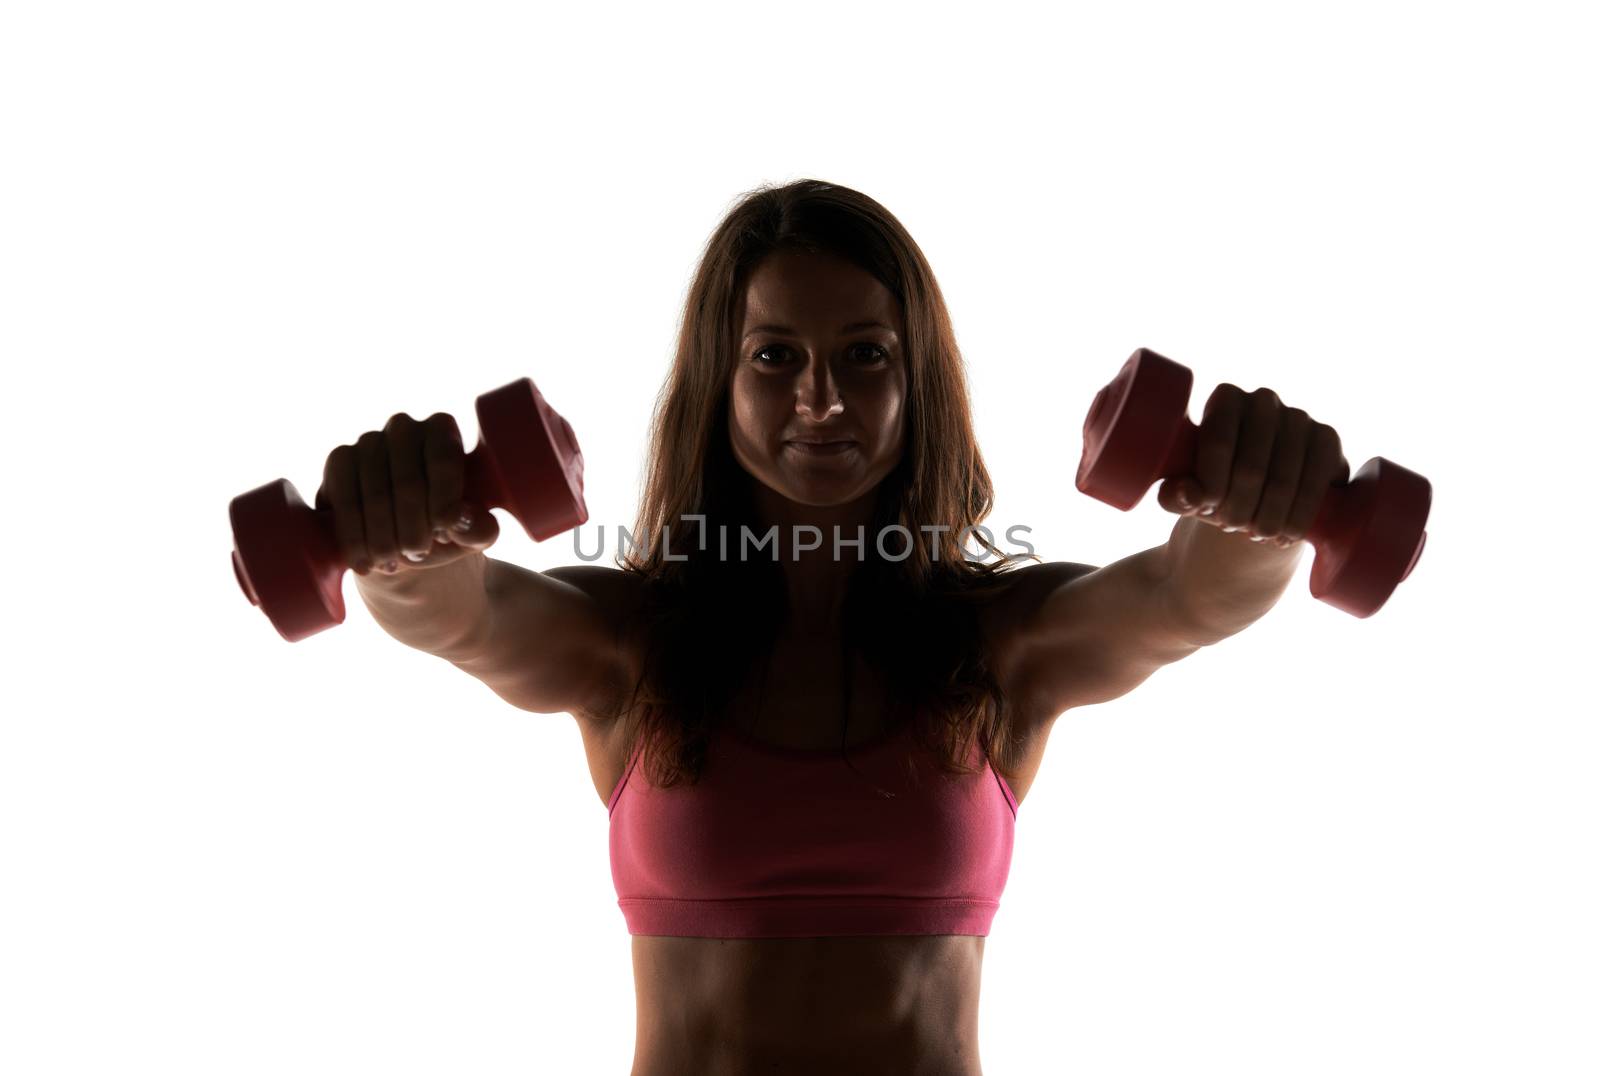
821	359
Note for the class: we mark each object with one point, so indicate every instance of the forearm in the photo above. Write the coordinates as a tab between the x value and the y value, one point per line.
429	609
1225	582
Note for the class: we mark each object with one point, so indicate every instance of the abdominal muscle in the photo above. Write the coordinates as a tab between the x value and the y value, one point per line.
898	1004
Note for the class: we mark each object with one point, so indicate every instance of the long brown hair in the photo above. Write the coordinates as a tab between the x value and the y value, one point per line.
711	616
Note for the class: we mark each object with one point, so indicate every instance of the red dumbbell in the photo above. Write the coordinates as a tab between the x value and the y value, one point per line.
527	461
1368	534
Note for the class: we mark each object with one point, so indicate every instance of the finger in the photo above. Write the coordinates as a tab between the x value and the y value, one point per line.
409	483
340	494
1283	473
483	533
1219	433
1218	436
1251	454
377	498
444	458
1324	463
1180	495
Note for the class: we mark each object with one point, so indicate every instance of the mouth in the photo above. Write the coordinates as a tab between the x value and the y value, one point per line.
821	448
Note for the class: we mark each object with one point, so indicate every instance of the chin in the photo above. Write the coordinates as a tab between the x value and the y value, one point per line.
822	501
816	491
819	494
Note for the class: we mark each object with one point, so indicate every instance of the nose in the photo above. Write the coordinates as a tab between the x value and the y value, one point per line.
817	394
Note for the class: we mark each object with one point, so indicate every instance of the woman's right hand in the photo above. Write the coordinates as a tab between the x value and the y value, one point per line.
396	498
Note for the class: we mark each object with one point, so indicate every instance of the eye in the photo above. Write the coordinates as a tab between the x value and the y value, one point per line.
870	353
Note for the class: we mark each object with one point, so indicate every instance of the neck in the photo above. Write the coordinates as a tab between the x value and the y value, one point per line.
816	579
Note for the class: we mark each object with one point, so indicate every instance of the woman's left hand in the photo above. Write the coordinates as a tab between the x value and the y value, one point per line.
1260	467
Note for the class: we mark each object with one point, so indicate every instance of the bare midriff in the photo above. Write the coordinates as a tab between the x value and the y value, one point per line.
902	1004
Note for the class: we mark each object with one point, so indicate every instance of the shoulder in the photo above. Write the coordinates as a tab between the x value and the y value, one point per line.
623	601
623	597
612	587
1008	618
1011	597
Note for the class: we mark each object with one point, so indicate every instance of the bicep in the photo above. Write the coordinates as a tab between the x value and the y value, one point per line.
1087	635
552	641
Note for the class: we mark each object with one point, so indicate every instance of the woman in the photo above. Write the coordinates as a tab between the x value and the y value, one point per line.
813	753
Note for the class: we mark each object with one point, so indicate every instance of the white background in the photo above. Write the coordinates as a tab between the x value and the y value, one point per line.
235	236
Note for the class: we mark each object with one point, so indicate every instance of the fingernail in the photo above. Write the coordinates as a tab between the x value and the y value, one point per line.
415	558
391	566
1207	510
465	521
440	534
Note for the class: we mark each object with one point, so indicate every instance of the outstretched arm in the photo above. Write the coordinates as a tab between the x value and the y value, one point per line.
1222	582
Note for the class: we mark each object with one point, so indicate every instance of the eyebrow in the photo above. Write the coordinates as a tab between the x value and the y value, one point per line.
870	323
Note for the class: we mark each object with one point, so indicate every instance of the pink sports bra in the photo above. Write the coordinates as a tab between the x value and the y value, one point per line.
776	843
